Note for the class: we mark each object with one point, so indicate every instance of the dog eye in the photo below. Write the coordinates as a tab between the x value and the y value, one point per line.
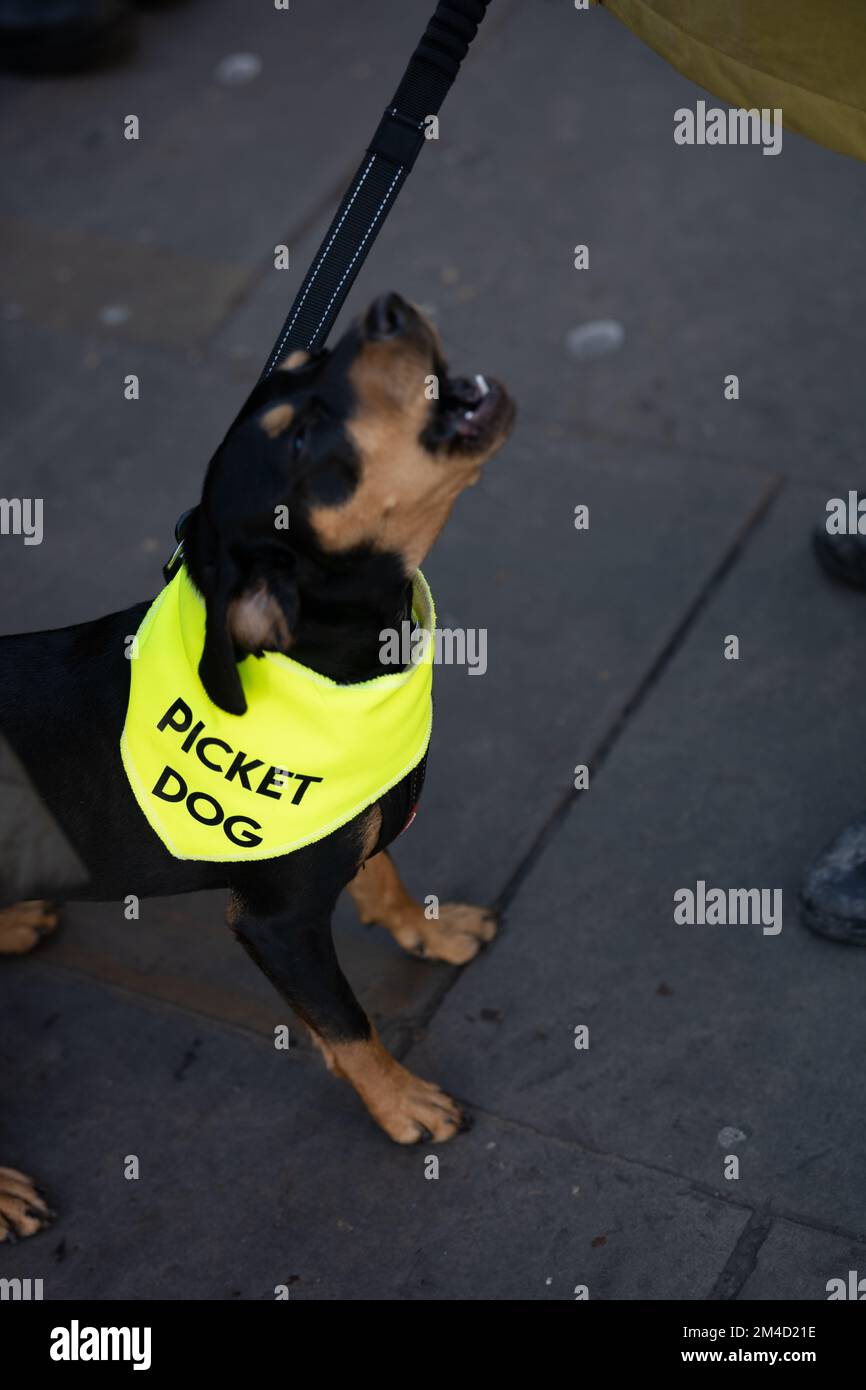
299	440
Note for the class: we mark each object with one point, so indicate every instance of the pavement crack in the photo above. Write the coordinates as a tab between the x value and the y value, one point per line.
647	683
769	1209
743	1258
638	697
190	1056
599	755
694	1185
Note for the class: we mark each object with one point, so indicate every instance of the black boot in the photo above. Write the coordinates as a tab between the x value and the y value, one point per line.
833	895
843	557
55	36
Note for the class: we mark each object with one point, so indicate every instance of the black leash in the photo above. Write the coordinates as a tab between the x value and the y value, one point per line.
382	173
370	196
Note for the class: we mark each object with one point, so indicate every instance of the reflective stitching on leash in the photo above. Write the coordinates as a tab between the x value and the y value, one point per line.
358	251
289	326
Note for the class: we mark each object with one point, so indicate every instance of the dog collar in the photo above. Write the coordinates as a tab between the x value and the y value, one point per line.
308	755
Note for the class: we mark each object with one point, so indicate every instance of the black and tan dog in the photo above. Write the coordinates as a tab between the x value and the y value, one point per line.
369	467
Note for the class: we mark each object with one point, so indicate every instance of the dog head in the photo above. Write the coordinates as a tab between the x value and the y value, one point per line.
339	459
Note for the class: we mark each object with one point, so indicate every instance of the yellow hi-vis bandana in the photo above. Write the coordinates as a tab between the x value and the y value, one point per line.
306	757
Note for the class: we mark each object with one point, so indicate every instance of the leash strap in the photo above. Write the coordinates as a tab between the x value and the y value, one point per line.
371	194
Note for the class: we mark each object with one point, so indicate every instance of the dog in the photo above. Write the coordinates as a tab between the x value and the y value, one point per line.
366	447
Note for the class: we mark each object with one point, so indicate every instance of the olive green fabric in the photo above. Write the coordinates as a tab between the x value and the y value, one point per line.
806	56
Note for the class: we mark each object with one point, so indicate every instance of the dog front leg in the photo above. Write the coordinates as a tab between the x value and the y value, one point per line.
454	932
295	950
23	1211
24	925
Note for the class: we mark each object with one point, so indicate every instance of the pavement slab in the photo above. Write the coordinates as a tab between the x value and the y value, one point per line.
146	293
705	1041
113	474
181	951
257	1169
798	1262
220	169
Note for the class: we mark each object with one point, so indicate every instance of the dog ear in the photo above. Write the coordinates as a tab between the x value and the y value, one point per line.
262	617
217	669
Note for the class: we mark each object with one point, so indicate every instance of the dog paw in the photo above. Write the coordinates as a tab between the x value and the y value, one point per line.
457	935
24	925
417	1110
22	1211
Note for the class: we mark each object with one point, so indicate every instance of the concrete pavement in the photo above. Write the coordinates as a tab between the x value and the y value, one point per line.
601	1167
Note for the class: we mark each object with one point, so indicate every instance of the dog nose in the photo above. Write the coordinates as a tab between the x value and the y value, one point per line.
387	317
462	391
